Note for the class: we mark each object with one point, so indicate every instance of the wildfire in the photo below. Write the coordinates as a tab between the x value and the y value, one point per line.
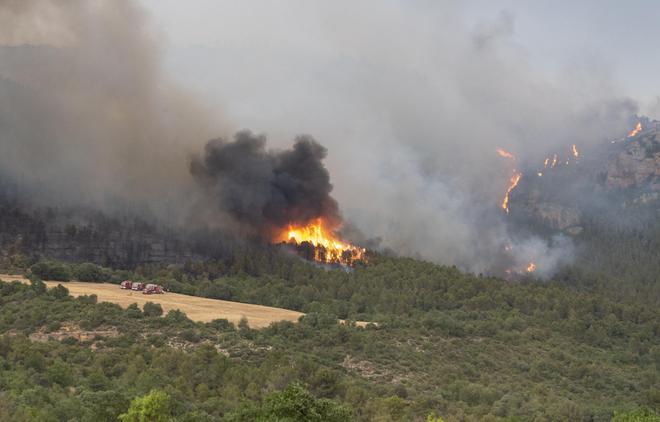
531	267
515	178
327	247
514	182
576	154
505	154
634	132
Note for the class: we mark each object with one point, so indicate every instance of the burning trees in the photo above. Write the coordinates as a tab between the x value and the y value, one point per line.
320	244
279	196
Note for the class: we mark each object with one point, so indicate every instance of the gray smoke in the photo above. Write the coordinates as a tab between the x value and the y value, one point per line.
410	100
265	190
87	117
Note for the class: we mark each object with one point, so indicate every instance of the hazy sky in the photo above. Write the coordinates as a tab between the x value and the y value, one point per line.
411	99
555	35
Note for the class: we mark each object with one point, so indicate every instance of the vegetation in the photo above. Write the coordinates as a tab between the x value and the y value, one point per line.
153	407
447	344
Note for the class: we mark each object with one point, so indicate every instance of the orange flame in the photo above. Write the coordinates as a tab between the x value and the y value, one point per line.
545	163
327	247
505	154
531	267
576	154
634	132
554	161
514	182
514	179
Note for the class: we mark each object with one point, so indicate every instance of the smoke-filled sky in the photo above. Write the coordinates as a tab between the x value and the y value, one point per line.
410	98
553	34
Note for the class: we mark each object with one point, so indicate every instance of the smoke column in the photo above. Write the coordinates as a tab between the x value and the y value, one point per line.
411	101
264	190
87	117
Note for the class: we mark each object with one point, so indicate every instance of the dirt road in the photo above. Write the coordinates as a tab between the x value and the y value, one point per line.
197	308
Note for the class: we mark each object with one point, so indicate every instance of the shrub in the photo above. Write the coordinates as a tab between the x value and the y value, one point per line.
51	270
59	292
639	415
133	311
151	309
91	273
154	407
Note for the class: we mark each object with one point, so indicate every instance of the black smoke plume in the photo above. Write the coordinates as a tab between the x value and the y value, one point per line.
267	189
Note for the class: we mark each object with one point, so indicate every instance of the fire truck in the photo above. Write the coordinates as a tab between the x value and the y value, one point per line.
151	289
137	286
147	289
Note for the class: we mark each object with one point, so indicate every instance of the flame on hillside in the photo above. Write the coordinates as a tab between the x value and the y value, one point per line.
513	182
505	154
328	248
636	130
531	267
548	163
512	185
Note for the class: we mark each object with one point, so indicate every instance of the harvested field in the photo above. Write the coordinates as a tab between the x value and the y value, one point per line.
196	308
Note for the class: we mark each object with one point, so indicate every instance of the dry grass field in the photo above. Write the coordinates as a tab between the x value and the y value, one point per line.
196	308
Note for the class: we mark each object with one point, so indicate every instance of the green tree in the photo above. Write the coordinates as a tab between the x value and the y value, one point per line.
59	291
639	415
50	270
153	407
151	309
133	311
90	272
295	403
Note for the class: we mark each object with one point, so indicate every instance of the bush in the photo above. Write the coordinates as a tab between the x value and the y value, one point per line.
639	415
151	309
133	311
59	292
295	403
154	407
91	273
51	270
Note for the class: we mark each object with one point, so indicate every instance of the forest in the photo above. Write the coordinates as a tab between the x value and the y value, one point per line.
444	345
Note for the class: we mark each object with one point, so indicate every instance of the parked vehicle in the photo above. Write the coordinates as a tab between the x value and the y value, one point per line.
147	289
151	289
137	286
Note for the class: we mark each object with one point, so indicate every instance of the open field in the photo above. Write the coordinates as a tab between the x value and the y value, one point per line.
196	308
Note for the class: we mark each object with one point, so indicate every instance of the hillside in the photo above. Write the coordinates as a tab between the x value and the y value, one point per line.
462	346
196	308
374	211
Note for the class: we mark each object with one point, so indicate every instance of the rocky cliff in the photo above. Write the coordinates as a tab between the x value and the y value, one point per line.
87	236
612	176
638	165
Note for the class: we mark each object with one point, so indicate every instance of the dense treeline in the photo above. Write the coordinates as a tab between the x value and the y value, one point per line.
582	346
462	346
621	259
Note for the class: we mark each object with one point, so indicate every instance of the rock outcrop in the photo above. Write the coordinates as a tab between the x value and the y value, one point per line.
87	236
638	165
